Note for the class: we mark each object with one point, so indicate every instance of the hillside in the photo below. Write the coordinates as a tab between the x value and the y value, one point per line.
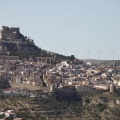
47	107
14	43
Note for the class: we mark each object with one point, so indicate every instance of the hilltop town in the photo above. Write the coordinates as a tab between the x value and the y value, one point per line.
65	79
44	72
49	71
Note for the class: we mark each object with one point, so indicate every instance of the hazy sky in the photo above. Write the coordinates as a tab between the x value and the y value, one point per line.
67	25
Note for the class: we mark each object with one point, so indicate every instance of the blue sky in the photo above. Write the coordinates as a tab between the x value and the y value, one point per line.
67	25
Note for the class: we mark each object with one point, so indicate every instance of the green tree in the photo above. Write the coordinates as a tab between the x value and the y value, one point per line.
2	116
101	107
87	100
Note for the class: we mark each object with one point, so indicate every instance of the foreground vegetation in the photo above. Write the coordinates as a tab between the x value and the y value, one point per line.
51	109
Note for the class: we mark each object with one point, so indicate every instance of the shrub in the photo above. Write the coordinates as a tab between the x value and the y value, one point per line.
87	100
101	107
2	116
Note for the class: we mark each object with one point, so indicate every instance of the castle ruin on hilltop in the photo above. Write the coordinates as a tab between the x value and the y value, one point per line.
12	40
12	34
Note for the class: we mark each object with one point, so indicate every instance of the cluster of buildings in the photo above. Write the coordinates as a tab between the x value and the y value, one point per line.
77	75
42	71
82	76
9	115
21	71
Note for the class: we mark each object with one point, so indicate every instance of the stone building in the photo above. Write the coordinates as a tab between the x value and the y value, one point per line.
7	57
48	60
11	33
13	41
